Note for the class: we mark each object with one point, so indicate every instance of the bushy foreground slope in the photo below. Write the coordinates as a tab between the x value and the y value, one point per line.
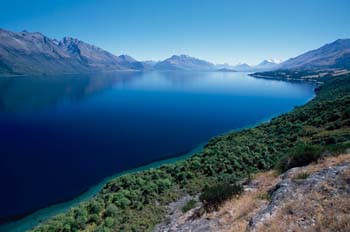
311	198
135	202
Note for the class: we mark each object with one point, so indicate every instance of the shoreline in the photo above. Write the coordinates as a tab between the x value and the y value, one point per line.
18	217
289	79
32	219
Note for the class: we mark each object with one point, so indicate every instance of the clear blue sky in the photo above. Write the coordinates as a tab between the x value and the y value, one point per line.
215	30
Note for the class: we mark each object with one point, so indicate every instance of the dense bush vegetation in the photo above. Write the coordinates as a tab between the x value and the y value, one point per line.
310	75
135	202
300	155
212	197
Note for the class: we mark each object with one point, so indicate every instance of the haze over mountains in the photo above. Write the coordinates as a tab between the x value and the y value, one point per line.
34	53
184	62
26	53
332	55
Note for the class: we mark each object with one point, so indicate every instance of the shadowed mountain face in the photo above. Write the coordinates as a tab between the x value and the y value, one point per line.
184	62
35	54
332	55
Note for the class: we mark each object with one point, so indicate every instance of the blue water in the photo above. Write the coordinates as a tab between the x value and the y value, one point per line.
61	135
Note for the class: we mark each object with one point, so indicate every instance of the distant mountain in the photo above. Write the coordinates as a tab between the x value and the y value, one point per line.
35	54
243	67
184	62
332	55
268	64
150	62
226	70
265	65
224	66
128	61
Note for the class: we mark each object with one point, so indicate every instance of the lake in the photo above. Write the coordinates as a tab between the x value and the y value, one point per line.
60	135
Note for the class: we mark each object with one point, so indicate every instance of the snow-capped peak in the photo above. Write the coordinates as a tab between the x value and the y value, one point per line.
274	60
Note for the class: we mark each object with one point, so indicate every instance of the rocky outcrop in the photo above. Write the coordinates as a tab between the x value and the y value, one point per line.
302	198
311	198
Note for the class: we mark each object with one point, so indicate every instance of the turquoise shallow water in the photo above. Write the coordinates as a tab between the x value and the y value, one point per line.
41	215
62	135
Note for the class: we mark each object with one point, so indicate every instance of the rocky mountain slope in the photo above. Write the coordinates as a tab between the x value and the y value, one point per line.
311	198
32	53
332	55
27	53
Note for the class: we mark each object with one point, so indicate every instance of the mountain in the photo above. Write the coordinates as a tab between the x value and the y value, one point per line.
224	66
150	62
184	62
268	64
128	61
226	70
32	53
243	67
332	55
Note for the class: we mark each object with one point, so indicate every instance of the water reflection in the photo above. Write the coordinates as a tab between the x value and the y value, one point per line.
33	93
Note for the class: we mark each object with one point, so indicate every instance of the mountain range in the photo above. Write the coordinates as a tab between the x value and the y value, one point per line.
35	54
265	65
184	62
32	53
332	55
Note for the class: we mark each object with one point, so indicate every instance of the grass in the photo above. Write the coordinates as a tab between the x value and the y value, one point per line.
189	205
301	176
263	196
326	208
235	213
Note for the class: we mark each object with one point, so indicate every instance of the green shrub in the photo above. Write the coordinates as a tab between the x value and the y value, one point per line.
111	211
189	205
95	207
299	155
109	222
212	197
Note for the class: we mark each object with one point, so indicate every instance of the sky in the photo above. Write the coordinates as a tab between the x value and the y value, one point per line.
220	31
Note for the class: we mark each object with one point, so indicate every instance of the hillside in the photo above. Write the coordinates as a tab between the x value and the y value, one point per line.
309	198
332	59
32	53
138	201
332	55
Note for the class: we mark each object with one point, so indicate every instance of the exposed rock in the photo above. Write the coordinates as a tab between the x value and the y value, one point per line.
291	190
311	198
177	221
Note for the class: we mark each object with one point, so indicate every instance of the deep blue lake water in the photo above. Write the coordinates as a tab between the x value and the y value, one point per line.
60	135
